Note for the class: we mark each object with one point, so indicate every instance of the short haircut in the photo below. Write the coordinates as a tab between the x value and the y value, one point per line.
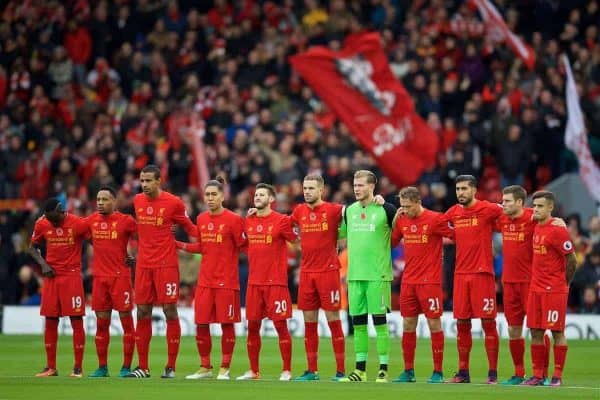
518	192
51	204
410	193
544	194
315	177
270	188
151	168
364	173
466	178
218	182
109	189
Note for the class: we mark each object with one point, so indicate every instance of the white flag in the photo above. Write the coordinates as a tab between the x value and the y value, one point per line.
576	137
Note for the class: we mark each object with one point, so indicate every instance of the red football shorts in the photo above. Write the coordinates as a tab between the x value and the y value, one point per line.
156	285
547	311
515	302
273	302
319	290
213	305
112	292
474	296
418	299
62	296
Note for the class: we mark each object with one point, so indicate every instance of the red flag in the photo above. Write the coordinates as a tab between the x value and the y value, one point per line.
498	32
359	87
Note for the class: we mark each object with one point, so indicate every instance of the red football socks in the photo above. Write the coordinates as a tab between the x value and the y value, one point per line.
78	341
143	334
227	344
173	339
285	344
560	356
311	344
339	344
102	339
437	350
253	344
409	344
128	340
492	343
547	347
517	352
50	341
538	352
464	343
204	344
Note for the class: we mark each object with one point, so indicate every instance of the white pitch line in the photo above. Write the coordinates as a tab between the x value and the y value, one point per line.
299	382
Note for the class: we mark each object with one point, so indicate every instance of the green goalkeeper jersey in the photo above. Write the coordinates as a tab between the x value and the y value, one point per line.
367	230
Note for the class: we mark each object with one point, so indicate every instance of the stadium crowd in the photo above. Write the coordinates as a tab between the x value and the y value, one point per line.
90	92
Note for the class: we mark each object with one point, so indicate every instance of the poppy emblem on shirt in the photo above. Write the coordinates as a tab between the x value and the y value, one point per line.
103	225
413	228
149	210
210	226
259	228
363	216
312	216
59	232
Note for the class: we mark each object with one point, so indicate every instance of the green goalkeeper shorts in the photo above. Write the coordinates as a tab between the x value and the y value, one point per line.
369	297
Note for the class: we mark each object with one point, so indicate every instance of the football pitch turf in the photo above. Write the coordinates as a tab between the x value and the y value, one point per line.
22	356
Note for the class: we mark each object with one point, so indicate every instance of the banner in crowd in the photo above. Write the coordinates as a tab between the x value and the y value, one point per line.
357	84
497	31
576	136
26	320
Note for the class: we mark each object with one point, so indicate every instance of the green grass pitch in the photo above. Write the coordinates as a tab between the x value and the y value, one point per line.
23	356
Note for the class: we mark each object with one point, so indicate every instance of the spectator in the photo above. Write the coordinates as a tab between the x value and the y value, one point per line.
28	287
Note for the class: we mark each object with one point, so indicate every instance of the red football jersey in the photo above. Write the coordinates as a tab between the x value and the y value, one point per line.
517	250
550	246
63	243
318	229
220	237
473	228
267	248
110	235
423	240
155	217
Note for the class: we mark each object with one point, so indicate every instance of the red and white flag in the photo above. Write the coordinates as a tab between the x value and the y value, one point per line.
576	137
498	32
357	84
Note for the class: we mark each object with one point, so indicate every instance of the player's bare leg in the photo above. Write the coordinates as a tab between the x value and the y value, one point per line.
50	342
173	338
437	349
538	350
464	343
143	334
128	341
204	345
102	339
560	356
517	351
492	344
